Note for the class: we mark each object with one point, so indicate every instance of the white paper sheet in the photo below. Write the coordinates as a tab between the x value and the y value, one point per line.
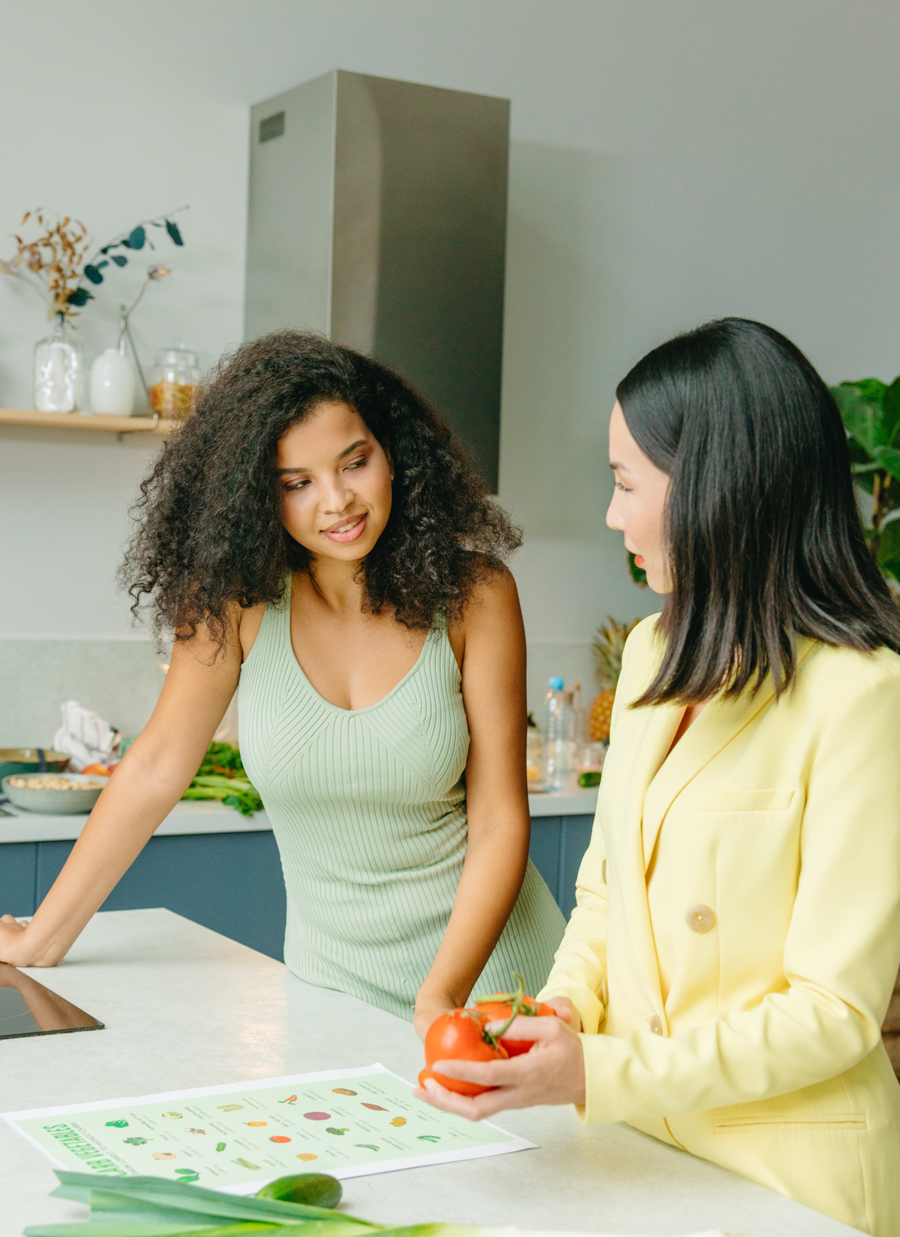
236	1137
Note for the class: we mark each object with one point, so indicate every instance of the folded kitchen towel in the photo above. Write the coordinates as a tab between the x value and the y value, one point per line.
86	737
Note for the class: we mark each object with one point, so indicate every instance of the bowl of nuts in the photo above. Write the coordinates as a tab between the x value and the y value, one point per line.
54	794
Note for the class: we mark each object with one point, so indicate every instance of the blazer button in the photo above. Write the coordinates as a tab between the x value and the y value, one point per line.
656	1025
700	918
604	991
603	871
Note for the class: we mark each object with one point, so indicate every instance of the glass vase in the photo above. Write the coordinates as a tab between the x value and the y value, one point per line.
58	371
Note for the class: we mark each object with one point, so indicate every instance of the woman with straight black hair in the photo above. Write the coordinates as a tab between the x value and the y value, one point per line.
724	976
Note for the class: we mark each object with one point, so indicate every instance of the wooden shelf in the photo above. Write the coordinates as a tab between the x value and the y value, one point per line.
87	421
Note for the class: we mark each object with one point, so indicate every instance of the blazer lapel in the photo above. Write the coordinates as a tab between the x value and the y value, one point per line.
642	740
716	726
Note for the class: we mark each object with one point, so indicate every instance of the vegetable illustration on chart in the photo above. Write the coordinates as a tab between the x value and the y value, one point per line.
176	1116
229	1107
164	1155
330	1129
256	1123
278	1138
317	1116
135	1142
246	1164
291	1099
191	1130
398	1121
367	1146
187	1174
428	1138
307	1155
343	1091
119	1125
374	1107
220	1146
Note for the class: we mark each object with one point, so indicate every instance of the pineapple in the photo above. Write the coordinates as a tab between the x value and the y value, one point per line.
607	648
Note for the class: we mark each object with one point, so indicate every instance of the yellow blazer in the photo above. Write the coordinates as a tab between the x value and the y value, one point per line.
737	930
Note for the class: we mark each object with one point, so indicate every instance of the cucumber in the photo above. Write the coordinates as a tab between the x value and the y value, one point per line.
314	1189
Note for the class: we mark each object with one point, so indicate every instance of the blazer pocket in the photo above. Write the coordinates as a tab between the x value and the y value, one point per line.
832	1121
746	800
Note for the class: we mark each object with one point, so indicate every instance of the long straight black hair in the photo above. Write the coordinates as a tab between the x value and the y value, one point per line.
762	530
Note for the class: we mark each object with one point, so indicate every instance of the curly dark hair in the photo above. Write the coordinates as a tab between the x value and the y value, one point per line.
209	532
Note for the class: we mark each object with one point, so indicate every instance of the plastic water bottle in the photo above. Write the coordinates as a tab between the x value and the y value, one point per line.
557	736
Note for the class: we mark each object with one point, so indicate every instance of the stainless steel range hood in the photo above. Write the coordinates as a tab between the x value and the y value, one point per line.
378	216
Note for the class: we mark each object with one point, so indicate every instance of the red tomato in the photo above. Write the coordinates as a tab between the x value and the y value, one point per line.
459	1036
500	1011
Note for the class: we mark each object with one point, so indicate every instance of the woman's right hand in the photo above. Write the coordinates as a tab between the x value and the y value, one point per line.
14	945
565	1010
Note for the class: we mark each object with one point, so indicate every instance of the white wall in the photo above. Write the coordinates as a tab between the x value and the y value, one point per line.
672	160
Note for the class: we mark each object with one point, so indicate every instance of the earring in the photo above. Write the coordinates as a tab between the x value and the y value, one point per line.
392	476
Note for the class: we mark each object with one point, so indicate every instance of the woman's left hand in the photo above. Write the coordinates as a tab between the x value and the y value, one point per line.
551	1073
430	1005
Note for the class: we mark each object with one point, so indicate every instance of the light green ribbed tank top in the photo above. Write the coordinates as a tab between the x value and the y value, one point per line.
368	808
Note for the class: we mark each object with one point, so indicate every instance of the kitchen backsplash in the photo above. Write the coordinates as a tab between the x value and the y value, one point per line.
121	680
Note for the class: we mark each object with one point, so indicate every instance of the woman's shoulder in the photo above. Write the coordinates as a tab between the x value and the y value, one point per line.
846	672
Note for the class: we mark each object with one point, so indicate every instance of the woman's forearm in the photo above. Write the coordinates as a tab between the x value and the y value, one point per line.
137	799
492	876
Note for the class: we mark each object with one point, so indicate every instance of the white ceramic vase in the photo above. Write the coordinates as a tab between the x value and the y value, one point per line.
112	384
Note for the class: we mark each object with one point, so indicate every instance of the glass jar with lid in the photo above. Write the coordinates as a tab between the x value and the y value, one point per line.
174	381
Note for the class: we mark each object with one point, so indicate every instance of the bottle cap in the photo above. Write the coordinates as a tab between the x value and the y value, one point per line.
556	684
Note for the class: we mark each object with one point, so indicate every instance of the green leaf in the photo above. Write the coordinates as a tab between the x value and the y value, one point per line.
163	1192
872	389
117	1228
888	557
862	417
174	234
891	413
889	459
79	297
136	238
93	273
119	259
637	573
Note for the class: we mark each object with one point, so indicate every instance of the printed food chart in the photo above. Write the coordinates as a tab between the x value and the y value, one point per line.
348	1123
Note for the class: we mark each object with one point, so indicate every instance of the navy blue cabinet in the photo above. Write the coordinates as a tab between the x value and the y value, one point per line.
232	883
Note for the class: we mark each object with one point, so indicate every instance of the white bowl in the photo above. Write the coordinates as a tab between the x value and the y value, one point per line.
54	802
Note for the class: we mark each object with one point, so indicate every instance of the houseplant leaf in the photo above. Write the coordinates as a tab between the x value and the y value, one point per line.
862	417
889	549
891	413
889	459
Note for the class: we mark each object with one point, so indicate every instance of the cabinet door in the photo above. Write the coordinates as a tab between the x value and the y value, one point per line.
18	861
230	882
557	846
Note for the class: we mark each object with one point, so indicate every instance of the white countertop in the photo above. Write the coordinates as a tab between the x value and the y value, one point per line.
185	1007
193	816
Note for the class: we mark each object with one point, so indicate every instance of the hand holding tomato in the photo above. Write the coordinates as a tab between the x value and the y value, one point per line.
551	1072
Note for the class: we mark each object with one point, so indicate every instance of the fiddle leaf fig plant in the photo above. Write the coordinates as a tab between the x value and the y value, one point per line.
870	410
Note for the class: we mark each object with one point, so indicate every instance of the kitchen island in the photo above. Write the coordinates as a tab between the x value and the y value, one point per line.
185	1007
222	869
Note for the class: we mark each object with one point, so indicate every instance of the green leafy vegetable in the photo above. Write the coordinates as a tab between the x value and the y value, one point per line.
222	776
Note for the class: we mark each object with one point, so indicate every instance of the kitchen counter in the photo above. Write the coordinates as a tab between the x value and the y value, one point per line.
185	1007
192	817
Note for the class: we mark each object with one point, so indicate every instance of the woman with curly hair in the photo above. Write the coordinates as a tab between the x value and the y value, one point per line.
315	536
